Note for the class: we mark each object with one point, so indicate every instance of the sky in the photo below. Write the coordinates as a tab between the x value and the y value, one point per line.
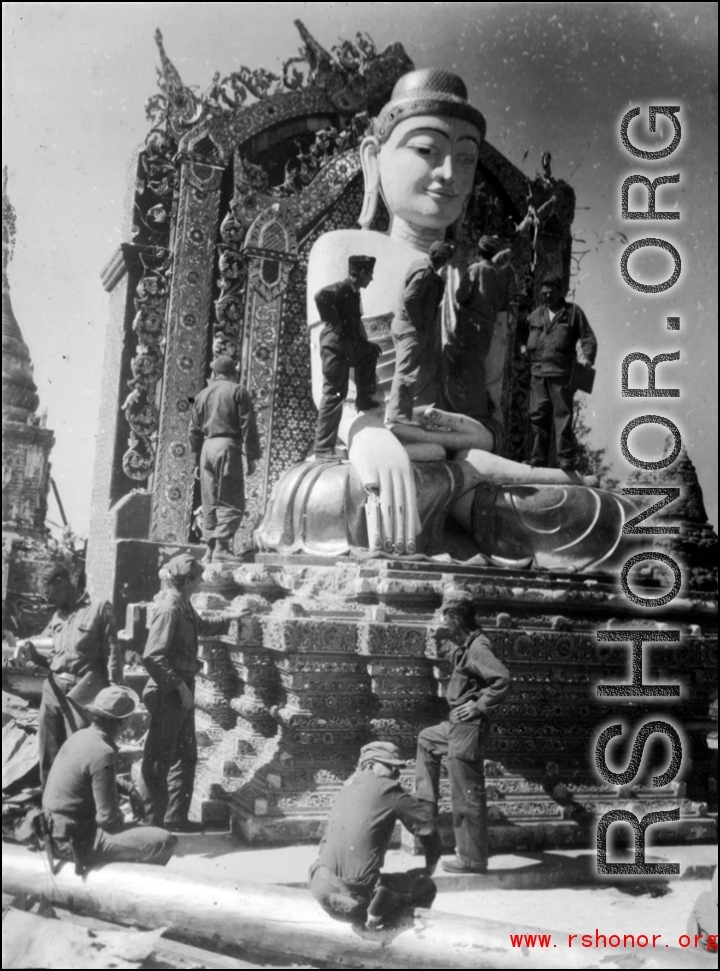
547	76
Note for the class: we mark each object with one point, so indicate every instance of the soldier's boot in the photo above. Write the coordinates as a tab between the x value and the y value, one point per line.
222	552
210	549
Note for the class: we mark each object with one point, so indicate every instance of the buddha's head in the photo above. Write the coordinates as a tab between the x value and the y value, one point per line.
423	152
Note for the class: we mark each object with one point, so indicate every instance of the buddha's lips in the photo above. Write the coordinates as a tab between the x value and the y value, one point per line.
442	193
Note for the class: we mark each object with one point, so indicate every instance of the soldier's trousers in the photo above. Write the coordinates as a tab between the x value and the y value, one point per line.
391	892
131	844
169	761
462	743
337	359
222	487
551	405
58	719
416	365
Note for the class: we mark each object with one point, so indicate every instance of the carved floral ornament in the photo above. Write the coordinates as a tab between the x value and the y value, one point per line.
353	75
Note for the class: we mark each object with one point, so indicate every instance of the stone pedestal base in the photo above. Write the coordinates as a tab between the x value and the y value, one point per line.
334	653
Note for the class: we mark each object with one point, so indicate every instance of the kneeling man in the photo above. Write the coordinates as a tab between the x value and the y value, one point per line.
81	801
346	880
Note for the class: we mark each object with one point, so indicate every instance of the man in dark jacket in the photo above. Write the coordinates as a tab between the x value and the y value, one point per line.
416	333
481	295
343	345
85	655
555	329
346	879
222	429
81	801
477	685
171	660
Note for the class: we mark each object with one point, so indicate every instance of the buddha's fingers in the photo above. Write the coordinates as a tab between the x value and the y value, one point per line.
387	509
374	524
412	520
399	509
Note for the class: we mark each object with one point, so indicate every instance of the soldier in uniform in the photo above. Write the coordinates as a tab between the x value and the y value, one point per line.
555	329
477	685
85	649
346	879
481	295
222	429
81	801
343	345
416	334
171	660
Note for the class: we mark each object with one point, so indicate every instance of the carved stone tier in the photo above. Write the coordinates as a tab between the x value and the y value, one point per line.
335	653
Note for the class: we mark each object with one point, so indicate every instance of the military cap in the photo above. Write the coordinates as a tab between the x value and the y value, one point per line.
224	365
360	264
55	571
431	91
115	701
183	565
384	752
489	245
454	599
552	280
441	250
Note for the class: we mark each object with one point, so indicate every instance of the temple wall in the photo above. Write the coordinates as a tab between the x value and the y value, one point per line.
112	433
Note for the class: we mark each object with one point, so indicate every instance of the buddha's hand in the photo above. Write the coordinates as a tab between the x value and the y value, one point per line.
386	473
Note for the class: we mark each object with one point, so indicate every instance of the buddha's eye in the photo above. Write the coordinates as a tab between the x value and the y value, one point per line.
466	161
423	146
426	151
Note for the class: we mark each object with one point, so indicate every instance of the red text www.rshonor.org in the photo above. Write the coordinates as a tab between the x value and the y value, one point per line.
707	942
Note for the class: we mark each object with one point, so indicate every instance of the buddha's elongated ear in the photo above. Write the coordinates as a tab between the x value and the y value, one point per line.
369	149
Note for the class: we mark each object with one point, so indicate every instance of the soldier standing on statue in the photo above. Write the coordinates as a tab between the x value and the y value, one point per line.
481	295
556	327
343	345
416	333
171	660
477	685
222	429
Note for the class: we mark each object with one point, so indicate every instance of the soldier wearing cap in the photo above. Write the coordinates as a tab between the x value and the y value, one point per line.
81	802
85	649
347	880
171	660
481	295
556	328
477	685
416	334
343	345
222	430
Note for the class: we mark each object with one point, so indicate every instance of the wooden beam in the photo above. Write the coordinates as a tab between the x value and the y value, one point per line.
268	919
177	953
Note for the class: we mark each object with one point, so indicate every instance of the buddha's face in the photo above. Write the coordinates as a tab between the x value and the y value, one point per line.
427	167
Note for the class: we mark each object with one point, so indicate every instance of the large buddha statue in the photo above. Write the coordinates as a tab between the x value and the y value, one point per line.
397	485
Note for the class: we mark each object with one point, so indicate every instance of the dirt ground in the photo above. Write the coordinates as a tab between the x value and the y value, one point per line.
557	891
